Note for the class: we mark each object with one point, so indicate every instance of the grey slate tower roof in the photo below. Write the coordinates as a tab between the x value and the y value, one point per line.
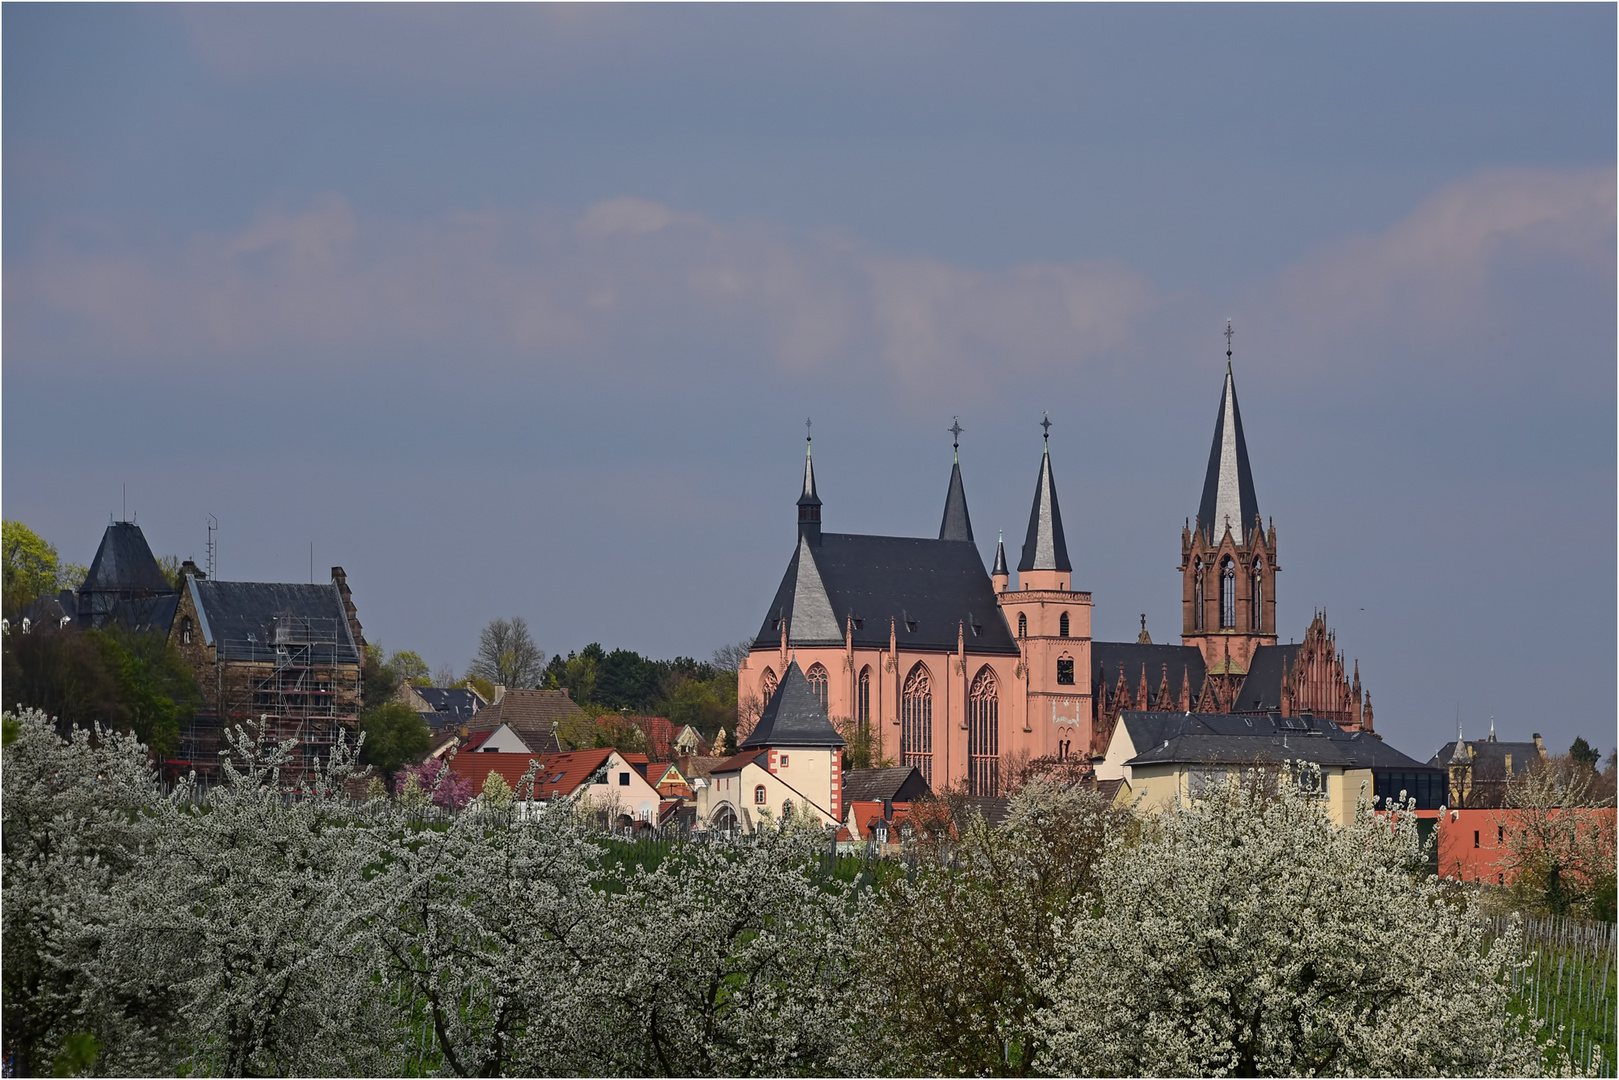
1228	487
124	564
956	525
1045	548
809	497
793	716
1000	556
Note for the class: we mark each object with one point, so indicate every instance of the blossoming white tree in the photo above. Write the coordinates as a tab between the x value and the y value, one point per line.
1247	935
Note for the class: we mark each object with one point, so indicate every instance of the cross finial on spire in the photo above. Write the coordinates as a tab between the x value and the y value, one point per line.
956	429
1045	422
1229	334
807	423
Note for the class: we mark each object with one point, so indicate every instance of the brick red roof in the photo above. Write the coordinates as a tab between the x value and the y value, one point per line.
477	768
737	762
559	775
531	713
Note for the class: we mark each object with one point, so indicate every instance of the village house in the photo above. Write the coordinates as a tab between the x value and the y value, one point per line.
791	762
603	781
1171	757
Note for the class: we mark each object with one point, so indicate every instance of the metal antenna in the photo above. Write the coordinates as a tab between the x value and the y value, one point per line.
213	548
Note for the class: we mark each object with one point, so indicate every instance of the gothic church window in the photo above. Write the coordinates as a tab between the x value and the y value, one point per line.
983	734
1197	595
1256	618
817	680
1065	671
1062	625
767	685
863	702
916	722
1228	594
1022	625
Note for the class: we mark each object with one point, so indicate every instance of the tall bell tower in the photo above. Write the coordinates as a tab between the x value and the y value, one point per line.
1228	558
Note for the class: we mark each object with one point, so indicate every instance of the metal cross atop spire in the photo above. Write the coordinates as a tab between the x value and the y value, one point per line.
1229	333
1045	422
956	429
807	423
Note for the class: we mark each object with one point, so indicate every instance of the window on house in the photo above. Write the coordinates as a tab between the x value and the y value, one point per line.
1022	625
1062	625
783	761
759	795
1475	838
1500	834
623	779
185	631
1065	671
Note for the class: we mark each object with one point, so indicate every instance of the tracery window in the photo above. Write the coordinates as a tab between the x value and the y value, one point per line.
1062	625
984	735
817	680
767	686
916	722
1228	594
1256	620
1065	671
863	700
1022	625
1197	595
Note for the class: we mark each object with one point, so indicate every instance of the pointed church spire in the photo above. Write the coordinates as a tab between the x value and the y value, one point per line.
1000	557
809	503
1228	487
1045	548
956	525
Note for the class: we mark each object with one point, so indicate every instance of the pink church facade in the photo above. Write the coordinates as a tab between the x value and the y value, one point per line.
949	669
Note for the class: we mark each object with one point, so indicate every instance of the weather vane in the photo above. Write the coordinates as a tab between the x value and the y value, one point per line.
956	429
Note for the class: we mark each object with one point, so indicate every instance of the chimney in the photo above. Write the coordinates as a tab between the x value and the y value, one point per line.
500	692
341	580
189	569
1540	747
567	693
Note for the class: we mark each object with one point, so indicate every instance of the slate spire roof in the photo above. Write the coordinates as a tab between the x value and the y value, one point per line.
1044	548
794	716
1000	555
809	498
956	524
124	564
1228	488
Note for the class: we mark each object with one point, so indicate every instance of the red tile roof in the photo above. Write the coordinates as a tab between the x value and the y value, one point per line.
477	768
559	775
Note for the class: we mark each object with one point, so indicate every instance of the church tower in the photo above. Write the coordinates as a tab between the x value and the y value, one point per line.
1052	625
1228	559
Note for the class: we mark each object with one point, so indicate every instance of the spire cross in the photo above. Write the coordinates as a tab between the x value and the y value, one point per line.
1045	422
807	423
1229	333
956	429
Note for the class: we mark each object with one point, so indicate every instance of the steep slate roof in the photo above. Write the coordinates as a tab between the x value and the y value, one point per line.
1489	758
1262	689
1107	657
1044	547
899	784
1228	487
1000	557
956	525
935	584
530	713
794	716
124	563
1224	738
451	703
239	618
736	762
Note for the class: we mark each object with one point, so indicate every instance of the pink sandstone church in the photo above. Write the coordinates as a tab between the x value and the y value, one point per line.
963	673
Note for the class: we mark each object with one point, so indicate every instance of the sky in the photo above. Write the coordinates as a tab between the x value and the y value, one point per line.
518	310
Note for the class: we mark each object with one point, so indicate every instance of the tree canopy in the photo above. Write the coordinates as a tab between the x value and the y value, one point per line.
507	655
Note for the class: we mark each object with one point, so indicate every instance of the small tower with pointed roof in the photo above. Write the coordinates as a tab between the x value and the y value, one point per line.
956	524
809	503
1228	558
1052	623
999	575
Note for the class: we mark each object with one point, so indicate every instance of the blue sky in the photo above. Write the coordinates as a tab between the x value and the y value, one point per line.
519	310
